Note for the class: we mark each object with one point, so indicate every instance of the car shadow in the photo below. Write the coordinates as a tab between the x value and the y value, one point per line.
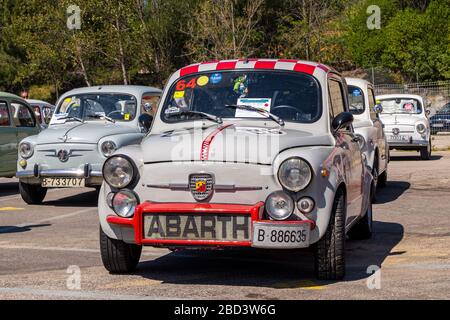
15	229
392	191
85	199
413	158
271	269
9	189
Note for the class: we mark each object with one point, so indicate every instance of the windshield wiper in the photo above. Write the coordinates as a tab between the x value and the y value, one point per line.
97	116
204	115
71	118
273	117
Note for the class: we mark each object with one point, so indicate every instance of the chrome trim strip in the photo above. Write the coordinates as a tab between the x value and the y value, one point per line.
217	188
59	174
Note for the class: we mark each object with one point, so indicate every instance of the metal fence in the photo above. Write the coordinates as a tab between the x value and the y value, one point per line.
437	93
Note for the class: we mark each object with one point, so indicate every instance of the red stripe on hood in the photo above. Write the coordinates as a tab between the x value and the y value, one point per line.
204	153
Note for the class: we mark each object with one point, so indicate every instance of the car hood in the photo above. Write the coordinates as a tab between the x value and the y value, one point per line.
76	132
228	143
403	119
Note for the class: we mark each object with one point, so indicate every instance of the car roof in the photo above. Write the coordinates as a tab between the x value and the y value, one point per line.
34	101
136	90
261	64
9	95
357	82
399	95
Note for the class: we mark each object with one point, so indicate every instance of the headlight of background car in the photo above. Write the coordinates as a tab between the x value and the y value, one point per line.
124	203
26	150
279	205
421	128
295	174
108	148
118	172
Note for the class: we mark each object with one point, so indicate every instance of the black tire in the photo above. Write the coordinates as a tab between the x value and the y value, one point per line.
362	230
329	253
119	257
425	152
382	179
32	194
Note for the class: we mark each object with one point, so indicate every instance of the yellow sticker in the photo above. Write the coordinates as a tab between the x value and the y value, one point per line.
203	81
126	116
178	94
67	100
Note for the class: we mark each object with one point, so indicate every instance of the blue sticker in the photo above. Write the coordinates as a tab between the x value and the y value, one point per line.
356	93
216	78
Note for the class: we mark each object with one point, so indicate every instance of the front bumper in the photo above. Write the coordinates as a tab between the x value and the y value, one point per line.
93	178
255	212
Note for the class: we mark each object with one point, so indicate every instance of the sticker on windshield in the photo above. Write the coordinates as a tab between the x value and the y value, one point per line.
260	103
241	86
216	78
178	94
172	110
126	117
356	93
202	81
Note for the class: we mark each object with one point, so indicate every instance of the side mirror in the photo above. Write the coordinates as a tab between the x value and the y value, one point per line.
342	120
378	109
145	120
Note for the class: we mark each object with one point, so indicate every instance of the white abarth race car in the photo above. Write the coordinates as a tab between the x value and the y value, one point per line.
361	97
406	123
242	153
89	124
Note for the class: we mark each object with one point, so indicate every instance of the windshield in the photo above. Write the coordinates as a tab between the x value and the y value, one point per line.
404	106
119	107
291	96
356	100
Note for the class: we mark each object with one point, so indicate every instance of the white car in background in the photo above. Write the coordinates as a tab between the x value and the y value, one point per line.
362	103
406	123
43	111
89	124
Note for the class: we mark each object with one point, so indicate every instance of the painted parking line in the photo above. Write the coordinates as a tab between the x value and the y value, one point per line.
11	209
99	295
302	284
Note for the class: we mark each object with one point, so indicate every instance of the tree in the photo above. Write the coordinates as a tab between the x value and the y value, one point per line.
224	29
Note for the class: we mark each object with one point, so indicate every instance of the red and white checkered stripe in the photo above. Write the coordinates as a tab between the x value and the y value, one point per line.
266	64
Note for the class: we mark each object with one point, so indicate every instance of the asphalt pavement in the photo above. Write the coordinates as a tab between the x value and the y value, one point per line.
51	251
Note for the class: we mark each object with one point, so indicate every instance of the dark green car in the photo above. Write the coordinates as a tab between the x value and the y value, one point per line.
17	121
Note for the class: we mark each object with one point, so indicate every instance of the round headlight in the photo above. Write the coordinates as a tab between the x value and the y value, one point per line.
306	205
118	172
279	205
124	203
108	148
26	150
421	128
295	174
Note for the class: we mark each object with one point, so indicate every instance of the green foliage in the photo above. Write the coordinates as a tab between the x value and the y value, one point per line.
144	41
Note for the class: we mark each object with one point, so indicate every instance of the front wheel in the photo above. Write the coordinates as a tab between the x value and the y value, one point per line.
119	257
329	253
32	194
425	152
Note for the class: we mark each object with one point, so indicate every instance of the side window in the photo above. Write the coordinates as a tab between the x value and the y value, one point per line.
47	114
372	103
356	100
336	97
150	104
5	121
22	115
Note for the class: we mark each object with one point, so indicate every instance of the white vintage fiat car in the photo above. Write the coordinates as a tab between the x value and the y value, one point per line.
242	153
406	123
362	103
88	125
